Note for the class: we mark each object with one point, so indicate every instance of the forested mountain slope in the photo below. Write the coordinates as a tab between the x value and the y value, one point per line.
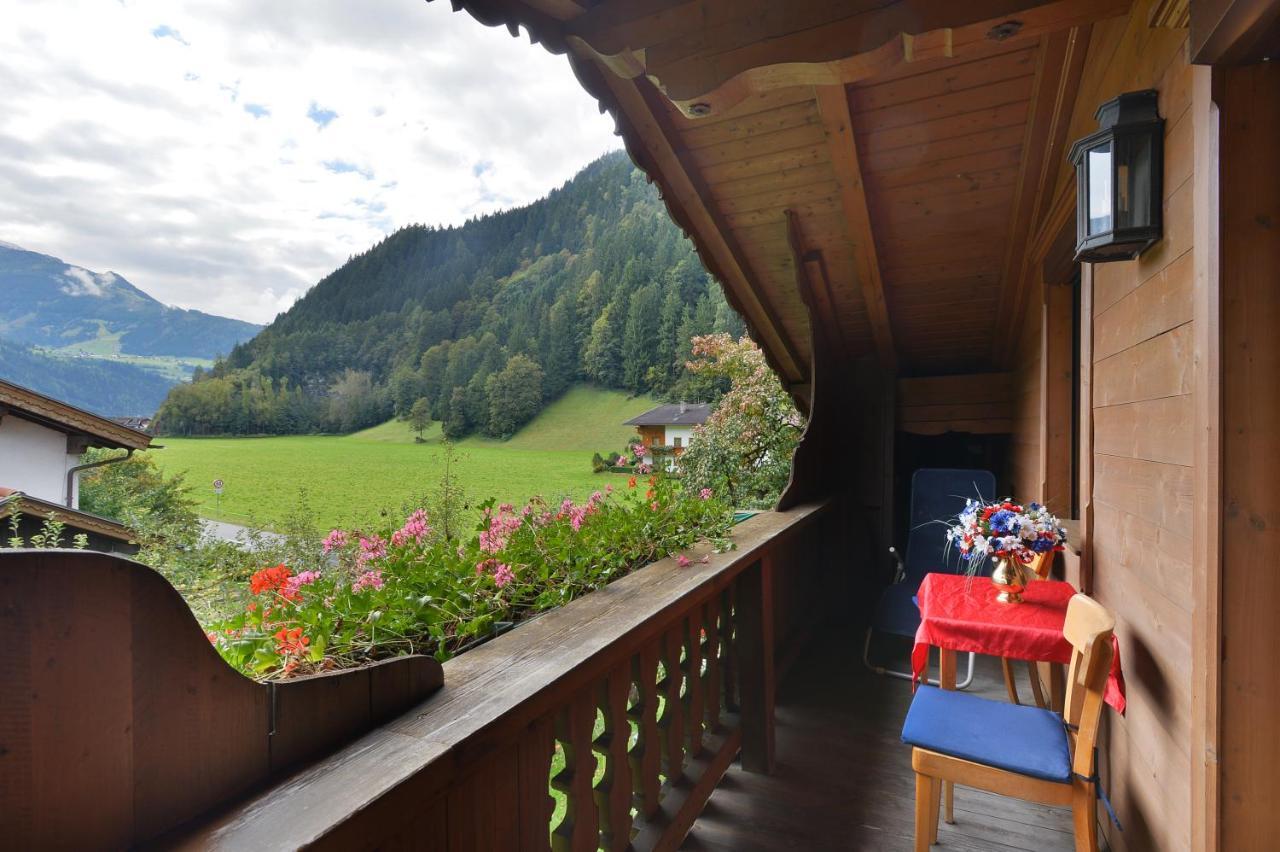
486	321
104	387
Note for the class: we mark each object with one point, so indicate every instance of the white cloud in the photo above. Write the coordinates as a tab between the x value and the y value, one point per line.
225	155
82	282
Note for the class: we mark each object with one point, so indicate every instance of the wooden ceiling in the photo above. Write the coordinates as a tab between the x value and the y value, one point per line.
875	165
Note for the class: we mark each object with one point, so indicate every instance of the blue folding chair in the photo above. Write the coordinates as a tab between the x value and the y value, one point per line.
937	495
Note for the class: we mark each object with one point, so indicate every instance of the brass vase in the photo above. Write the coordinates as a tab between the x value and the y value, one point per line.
1010	577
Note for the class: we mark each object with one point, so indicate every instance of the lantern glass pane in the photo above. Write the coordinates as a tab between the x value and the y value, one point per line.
1098	169
1133	181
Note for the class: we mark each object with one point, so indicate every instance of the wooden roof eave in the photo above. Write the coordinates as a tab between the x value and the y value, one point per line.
20	503
23	402
633	102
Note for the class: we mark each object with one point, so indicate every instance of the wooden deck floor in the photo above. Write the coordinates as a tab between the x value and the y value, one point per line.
844	778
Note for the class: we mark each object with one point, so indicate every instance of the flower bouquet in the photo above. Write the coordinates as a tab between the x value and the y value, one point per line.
1013	534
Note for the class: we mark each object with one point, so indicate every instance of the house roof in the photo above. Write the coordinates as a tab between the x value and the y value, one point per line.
18	502
100	431
673	414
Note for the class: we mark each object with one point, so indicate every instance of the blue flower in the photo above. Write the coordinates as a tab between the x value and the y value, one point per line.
1004	522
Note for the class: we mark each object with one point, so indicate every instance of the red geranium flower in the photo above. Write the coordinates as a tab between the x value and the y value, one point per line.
269	579
291	641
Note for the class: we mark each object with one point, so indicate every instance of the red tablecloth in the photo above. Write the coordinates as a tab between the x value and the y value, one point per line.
962	614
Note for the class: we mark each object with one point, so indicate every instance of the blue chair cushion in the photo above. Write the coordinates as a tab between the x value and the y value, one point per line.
1026	740
897	612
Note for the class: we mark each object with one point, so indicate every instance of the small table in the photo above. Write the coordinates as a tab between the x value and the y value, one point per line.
959	613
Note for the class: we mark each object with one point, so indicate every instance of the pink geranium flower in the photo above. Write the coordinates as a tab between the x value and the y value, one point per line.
415	529
683	561
294	584
371	548
335	540
369	579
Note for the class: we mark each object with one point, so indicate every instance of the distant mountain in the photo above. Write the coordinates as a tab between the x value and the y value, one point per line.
48	303
108	388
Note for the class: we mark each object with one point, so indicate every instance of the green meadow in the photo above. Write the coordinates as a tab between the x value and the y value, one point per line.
351	479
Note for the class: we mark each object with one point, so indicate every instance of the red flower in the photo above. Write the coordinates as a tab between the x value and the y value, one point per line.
291	641
269	579
631	483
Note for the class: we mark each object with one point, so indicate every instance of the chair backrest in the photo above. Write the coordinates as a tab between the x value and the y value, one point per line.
1088	628
938	495
1042	565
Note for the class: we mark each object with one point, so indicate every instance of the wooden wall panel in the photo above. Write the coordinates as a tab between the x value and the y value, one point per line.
1024	463
1140	316
981	403
1143	413
1161	303
1156	430
1250	583
1154	369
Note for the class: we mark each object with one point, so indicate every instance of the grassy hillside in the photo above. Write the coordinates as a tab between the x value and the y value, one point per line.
585	418
351	479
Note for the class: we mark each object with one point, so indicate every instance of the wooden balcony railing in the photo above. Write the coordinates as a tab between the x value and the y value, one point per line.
640	695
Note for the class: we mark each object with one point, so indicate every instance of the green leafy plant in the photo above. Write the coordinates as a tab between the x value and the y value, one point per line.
49	535
414	589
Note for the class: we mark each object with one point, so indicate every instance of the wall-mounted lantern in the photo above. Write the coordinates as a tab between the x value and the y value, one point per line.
1119	171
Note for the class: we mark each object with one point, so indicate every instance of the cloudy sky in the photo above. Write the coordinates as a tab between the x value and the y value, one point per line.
226	154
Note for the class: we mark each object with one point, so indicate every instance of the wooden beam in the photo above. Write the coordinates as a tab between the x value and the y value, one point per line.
1058	72
561	10
1173	14
1235	32
815	287
833	106
1206	518
1084	540
686	195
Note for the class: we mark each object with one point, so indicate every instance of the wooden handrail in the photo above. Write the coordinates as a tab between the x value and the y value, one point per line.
470	768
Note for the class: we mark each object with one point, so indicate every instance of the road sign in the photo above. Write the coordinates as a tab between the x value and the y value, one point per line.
217	486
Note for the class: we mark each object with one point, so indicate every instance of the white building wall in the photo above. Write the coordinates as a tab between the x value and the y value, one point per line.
33	459
684	433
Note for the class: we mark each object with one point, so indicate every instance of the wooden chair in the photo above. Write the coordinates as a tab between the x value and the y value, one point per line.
1013	750
1040	568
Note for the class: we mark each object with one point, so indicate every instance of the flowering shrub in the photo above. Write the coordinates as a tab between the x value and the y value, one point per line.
1004	529
744	448
414	590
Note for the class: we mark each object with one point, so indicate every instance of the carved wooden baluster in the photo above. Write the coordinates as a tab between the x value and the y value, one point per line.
579	831
613	793
692	705
672	715
728	658
536	748
646	754
713	694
